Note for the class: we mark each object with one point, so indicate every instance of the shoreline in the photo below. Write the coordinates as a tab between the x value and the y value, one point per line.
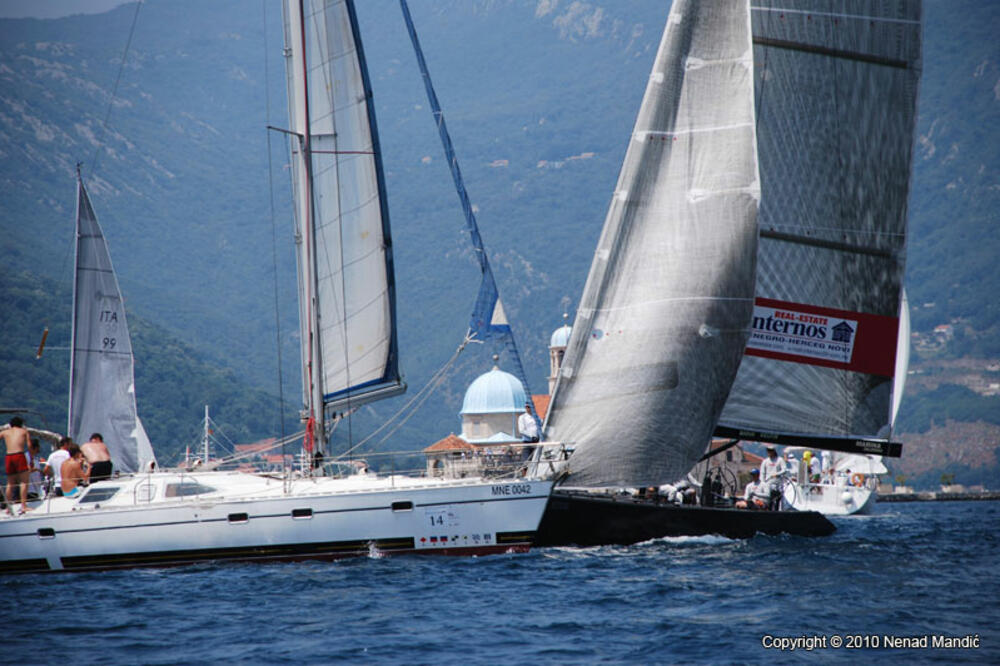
931	496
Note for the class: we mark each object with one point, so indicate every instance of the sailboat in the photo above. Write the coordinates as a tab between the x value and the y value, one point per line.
102	366
349	357
849	482
836	106
664	316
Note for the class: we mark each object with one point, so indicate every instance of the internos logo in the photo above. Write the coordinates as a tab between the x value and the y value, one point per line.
803	333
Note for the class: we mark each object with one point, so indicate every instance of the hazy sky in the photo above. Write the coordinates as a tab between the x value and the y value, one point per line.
54	8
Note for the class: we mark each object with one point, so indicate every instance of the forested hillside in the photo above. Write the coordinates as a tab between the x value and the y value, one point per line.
173	381
540	96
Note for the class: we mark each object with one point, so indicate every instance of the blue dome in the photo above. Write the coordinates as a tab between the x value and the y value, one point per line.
560	337
494	392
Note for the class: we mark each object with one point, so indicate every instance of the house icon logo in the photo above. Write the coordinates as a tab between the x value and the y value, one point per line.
842	332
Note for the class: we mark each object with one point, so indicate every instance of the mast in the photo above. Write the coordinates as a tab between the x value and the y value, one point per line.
72	326
205	436
344	254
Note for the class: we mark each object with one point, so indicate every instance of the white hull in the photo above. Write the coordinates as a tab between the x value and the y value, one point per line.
249	517
830	500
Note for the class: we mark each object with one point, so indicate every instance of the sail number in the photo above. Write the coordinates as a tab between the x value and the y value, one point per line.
109	343
512	489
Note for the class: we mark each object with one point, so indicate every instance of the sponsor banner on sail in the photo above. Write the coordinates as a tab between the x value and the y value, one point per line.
802	333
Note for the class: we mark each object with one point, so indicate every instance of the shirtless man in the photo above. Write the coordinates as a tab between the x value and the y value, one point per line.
16	439
97	455
72	472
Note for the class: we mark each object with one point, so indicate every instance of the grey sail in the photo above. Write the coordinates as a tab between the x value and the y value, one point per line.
836	87
102	384
664	315
346	284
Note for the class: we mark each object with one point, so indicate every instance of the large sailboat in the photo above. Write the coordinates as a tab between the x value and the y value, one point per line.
665	313
349	357
836	94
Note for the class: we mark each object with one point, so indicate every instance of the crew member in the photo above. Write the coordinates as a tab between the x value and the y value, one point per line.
756	494
98	457
16	439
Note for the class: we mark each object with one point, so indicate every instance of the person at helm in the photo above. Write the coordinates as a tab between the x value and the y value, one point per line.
756	494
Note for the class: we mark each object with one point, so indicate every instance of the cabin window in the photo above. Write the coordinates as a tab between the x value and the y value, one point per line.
46	533
302	513
239	518
145	492
99	495
402	506
186	489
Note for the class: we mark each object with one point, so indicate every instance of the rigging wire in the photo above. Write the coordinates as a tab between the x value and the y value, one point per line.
114	90
417	401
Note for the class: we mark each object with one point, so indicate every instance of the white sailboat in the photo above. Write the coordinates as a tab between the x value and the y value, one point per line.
836	91
349	357
848	482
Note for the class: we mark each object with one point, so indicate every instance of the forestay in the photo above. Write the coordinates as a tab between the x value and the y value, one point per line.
663	319
836	88
346	285
102	384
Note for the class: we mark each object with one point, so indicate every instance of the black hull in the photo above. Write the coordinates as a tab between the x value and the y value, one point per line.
580	519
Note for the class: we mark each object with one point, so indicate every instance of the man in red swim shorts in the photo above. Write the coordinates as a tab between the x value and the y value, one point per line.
16	463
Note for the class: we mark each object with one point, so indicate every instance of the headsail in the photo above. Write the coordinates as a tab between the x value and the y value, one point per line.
663	319
346	283
102	384
836	87
488	318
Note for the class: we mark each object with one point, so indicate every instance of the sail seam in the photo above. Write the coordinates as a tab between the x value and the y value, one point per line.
641	135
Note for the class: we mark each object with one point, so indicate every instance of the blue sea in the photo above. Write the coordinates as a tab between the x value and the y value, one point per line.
907	571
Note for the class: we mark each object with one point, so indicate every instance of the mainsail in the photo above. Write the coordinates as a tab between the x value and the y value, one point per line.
346	283
663	319
102	384
836	89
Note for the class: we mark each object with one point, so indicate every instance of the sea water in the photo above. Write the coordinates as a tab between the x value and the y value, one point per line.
891	585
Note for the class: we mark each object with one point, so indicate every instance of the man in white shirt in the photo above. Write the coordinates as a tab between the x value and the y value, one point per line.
527	425
756	494
772	470
773	467
54	464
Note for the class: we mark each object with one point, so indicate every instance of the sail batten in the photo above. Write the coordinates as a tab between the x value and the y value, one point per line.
346	282
836	87
102	385
663	319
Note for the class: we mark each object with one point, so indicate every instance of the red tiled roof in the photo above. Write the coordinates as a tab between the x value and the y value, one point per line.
450	443
262	445
541	403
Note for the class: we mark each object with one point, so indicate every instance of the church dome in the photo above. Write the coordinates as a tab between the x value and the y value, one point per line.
560	337
494	392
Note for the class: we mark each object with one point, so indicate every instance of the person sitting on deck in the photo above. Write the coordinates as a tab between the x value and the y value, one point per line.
73	476
756	494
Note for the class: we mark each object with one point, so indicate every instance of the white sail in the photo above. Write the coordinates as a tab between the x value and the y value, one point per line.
102	384
663	318
836	88
346	288
902	358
